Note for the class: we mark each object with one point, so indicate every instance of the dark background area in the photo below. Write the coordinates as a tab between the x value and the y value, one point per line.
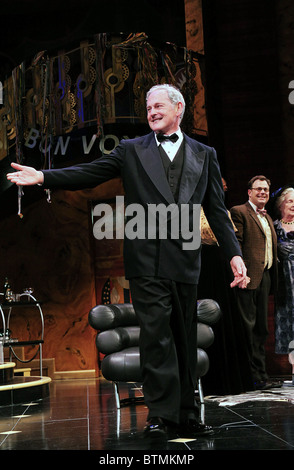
29	26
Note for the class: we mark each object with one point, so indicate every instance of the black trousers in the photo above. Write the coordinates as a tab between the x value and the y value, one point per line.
167	314
253	307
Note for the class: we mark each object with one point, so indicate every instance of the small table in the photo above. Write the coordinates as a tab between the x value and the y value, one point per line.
12	342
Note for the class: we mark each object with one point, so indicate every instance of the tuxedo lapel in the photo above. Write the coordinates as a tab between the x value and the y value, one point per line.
149	156
192	169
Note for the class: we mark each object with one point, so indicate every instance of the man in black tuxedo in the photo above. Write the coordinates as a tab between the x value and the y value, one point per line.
163	275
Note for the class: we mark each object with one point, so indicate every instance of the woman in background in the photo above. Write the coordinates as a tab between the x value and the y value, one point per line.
284	318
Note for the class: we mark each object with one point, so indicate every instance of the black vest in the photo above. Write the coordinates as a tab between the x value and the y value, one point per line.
173	169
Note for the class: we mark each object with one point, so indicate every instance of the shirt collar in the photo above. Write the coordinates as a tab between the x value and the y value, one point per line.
253	206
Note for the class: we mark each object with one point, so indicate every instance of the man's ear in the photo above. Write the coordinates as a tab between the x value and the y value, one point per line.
180	108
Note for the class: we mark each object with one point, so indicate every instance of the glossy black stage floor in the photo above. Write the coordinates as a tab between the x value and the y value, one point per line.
82	415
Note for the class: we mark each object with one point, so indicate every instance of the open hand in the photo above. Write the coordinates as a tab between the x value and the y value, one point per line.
25	175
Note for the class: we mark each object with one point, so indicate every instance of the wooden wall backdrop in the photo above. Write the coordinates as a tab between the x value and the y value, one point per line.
51	250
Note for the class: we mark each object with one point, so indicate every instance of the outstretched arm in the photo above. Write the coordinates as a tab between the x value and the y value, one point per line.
25	175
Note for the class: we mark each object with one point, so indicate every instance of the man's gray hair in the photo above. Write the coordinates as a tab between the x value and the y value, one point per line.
174	95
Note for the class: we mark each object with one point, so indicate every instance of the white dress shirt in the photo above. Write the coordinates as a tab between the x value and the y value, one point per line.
170	147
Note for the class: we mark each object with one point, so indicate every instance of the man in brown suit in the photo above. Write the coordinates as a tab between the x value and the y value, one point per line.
258	242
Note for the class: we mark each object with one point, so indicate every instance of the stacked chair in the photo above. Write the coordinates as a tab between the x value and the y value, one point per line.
118	341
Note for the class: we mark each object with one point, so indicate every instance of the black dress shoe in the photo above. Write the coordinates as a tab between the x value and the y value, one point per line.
261	385
155	428
276	384
266	385
195	429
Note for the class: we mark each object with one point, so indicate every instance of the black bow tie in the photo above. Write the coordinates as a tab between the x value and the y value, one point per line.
161	137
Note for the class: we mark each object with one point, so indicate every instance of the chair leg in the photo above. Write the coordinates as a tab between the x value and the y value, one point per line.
116	393
202	403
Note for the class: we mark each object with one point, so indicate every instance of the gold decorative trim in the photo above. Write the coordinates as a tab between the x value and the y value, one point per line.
7	365
26	382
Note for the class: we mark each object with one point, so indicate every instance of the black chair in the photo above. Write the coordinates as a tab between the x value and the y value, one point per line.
118	338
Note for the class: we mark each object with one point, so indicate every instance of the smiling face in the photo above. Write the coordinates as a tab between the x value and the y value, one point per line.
287	207
163	115
259	193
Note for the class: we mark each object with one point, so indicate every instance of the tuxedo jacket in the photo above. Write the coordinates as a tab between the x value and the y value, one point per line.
252	238
138	162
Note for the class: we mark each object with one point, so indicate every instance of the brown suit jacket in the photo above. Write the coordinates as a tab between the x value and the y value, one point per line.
251	237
